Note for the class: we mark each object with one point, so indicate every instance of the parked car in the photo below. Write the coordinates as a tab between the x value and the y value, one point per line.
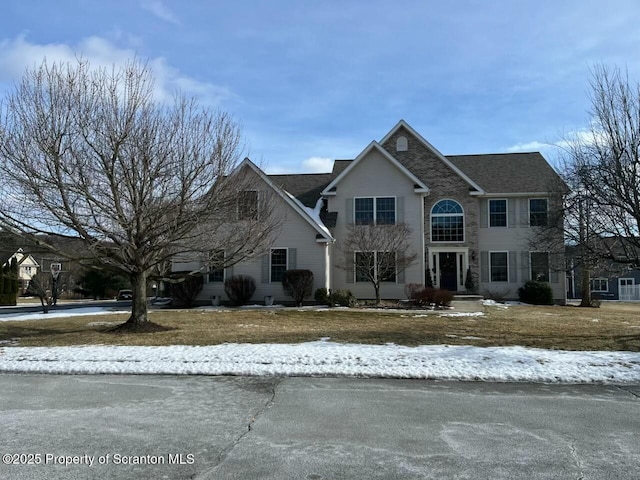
125	295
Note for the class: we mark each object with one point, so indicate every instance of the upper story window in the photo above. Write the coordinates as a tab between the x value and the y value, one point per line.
447	222
538	212
378	210
248	205
498	213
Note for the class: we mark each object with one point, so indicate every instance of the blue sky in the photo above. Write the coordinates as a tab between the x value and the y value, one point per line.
312	81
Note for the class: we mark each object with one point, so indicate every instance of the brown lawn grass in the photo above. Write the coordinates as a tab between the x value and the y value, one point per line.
615	326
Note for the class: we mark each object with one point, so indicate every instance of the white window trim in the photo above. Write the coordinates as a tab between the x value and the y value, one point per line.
506	213
431	214
375	266
375	208
286	249
548	264
224	270
633	281
490	276
529	209
600	279
257	204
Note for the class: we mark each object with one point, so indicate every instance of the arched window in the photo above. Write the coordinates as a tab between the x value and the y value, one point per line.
402	145
447	222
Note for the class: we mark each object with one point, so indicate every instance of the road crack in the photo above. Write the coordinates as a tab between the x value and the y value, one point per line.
233	444
630	392
576	460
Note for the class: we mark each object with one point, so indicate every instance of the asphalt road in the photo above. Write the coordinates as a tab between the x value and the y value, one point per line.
313	429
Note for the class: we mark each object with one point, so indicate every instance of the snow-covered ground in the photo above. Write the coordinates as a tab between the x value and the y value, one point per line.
324	357
75	312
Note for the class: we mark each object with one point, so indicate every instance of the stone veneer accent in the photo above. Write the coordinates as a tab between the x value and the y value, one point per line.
443	183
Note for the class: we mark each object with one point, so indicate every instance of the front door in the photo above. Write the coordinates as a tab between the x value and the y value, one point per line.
448	271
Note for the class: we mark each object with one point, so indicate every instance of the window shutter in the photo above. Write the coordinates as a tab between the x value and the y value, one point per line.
526	275
513	267
265	269
511	212
228	273
524	212
484	266
399	209
400	274
484	213
348	211
292	260
349	263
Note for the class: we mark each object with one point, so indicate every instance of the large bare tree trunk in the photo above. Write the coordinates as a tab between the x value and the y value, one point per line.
139	307
585	287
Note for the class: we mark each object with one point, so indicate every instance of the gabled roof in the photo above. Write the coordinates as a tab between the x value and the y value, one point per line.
510	173
419	186
316	223
435	151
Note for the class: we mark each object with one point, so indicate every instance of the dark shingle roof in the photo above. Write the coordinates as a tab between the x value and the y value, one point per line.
509	172
306	187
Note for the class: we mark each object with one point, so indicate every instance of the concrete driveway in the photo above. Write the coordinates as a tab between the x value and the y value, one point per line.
151	427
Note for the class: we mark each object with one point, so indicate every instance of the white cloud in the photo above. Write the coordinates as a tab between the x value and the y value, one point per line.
533	146
160	10
317	165
18	54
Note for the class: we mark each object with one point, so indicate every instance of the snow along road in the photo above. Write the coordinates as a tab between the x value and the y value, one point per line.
324	358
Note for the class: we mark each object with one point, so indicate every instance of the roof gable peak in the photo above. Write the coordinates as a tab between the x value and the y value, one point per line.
403	124
419	186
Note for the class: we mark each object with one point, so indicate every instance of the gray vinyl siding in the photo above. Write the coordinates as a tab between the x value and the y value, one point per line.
516	240
375	176
304	252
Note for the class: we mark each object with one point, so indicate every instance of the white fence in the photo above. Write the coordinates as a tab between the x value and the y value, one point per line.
629	293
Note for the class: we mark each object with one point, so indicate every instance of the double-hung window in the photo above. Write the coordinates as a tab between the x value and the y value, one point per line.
540	266
216	266
599	285
499	266
538	212
498	213
278	264
375	266
248	205
378	210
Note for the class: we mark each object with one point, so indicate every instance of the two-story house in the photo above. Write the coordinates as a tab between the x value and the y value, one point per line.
468	212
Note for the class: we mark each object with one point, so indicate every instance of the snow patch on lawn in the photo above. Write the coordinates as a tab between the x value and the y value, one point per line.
75	312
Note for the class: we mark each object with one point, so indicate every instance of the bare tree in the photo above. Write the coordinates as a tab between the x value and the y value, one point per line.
46	287
88	153
606	162
377	253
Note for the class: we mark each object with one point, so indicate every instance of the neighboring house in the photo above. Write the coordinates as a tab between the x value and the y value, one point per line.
610	280
476	212
27	268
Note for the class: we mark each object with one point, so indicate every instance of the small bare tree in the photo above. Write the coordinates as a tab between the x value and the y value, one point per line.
88	153
377	253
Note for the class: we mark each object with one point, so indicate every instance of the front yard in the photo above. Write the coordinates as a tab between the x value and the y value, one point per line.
614	326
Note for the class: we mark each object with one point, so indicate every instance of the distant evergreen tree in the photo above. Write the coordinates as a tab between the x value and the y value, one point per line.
1	280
